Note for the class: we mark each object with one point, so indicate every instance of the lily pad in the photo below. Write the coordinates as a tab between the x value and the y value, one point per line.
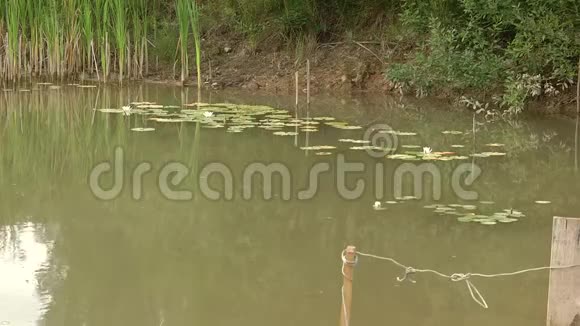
355	141
369	148
282	133
507	220
434	206
310	123
316	148
402	157
167	120
398	133
495	154
111	110
349	127
143	129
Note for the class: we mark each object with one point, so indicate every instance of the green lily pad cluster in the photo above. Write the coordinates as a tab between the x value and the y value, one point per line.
468	214
237	118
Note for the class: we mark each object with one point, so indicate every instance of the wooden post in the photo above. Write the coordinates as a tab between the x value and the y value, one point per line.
564	292
578	90
349	260
308	82
296	80
576	143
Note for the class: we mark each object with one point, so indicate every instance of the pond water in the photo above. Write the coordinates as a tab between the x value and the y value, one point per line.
69	257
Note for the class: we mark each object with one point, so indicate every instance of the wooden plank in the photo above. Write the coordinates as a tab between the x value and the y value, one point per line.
564	292
349	259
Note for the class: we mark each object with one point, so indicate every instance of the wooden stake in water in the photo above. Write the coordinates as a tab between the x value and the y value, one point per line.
348	263
296	109
296	79
308	82
564	292
578	90
576	144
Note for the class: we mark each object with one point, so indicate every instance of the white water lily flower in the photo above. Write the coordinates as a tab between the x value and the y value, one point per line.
126	110
208	114
427	150
377	205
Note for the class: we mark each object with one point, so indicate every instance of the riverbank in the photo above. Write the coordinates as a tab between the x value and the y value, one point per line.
339	68
494	59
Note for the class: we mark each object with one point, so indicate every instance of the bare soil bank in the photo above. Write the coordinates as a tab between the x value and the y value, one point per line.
337	68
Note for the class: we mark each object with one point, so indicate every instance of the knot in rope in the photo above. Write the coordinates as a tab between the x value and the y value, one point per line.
458	277
345	260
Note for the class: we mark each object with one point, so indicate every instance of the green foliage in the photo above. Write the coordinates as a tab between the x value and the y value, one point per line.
518	89
295	19
448	65
459	45
165	40
510	45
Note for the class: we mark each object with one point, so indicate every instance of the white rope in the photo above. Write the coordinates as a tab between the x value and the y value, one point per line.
456	277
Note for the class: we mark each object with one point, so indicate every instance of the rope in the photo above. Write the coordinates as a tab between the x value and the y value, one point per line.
456	277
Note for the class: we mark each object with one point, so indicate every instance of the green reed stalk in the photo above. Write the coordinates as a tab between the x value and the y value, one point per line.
182	9
50	36
120	33
88	32
12	24
104	19
194	18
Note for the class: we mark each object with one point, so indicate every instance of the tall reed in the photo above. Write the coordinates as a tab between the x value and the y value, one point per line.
58	38
182	9
120	33
195	27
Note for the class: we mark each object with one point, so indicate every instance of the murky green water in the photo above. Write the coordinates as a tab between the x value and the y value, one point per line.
69	258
